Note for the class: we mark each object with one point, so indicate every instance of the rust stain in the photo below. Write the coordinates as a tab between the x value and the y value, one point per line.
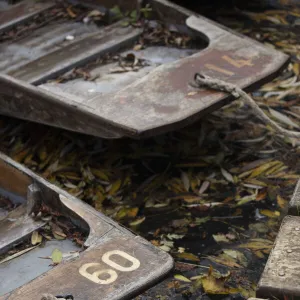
165	109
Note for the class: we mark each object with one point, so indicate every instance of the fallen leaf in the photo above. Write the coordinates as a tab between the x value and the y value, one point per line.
270	213
281	202
225	260
283	118
188	256
227	175
219	238
239	256
257	245
56	256
259	227
36	238
115	187
186	181
204	187
137	221
181	278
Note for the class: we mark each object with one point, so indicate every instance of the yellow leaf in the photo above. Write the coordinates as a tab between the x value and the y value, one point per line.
42	153
132	212
212	285
225	260
281	202
59	235
115	187
56	256
259	254
188	256
296	69
263	168
36	238
269	213
137	222
257	245
71	13
121	213
100	174
181	278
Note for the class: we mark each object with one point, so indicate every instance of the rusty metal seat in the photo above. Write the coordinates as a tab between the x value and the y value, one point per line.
116	264
155	99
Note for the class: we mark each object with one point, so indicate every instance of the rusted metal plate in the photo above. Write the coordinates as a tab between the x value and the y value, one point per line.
16	227
11	15
76	54
153	100
281	275
294	205
116	263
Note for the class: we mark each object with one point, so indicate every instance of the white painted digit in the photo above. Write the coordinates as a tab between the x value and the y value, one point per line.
95	275
135	262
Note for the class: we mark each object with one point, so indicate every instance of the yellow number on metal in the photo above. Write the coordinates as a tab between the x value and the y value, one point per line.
238	63
218	69
135	262
94	277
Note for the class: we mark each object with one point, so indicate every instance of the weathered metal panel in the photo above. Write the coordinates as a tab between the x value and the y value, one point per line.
281	275
116	264
160	100
294	205
139	267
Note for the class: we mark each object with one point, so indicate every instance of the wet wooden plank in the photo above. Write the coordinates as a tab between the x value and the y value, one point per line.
281	275
294	205
119	268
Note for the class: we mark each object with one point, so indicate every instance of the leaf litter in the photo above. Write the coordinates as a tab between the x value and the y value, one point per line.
220	187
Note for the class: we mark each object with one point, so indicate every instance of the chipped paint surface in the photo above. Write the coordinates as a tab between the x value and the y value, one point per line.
153	100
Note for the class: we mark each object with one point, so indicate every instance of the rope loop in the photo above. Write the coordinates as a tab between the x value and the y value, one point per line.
202	80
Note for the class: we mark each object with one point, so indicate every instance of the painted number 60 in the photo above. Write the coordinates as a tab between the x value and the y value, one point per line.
111	275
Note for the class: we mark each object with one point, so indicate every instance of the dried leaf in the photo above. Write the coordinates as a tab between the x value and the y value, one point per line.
188	256
56	256
259	227
263	168
36	238
186	181
115	187
221	238
204	187
283	118
281	202
212	285
239	256
269	213
225	260
137	221
181	278
257	245
227	175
